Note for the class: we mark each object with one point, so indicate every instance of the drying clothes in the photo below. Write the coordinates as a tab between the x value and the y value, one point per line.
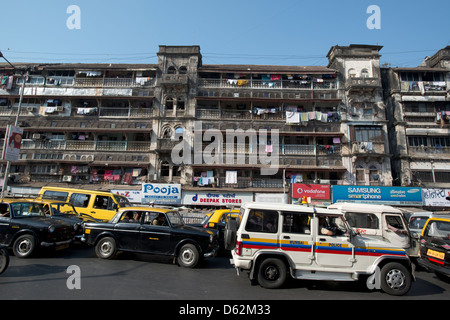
292	117
231	177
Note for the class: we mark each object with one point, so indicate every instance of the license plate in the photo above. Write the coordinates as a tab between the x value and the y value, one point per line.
436	254
61	247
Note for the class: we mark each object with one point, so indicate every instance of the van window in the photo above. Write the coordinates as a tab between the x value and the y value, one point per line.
55	195
295	222
104	202
80	200
394	221
262	221
362	220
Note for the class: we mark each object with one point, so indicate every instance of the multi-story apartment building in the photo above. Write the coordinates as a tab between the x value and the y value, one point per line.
418	107
249	128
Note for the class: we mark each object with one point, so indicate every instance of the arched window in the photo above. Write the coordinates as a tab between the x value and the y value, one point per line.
183	70
171	70
352	73
365	73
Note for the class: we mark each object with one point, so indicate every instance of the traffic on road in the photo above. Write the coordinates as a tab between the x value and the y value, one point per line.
273	246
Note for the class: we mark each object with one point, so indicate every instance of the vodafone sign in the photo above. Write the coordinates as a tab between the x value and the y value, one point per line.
315	191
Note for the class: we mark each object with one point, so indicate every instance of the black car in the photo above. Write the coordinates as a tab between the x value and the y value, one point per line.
25	228
154	231
435	247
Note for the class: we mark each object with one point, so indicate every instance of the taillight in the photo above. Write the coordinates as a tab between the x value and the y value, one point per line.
238	249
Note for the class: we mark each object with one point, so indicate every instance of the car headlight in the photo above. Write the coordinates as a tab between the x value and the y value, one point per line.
211	238
75	226
51	228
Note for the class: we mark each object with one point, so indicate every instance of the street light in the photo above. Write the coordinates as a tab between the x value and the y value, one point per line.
8	163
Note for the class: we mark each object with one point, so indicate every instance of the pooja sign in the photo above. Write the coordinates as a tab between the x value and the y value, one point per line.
161	193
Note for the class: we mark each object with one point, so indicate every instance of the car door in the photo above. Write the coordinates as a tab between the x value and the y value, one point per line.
335	250
296	238
127	230
154	238
103	207
395	230
435	242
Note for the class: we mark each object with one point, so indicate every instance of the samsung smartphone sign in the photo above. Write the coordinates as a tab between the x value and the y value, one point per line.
161	193
398	196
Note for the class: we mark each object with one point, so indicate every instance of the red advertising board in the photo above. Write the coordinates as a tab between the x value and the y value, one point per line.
315	191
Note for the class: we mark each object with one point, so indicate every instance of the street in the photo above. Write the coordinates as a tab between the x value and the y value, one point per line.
139	276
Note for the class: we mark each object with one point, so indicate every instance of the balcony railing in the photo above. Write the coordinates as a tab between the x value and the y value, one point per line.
87	145
268	84
423	86
112	82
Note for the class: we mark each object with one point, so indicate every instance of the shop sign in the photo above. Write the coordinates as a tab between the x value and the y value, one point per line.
313	191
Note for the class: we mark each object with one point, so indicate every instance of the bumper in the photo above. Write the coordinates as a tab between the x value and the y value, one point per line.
239	263
212	253
56	244
433	267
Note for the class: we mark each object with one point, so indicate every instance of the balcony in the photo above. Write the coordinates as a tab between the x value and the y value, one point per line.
112	82
423	87
358	84
85	145
267	84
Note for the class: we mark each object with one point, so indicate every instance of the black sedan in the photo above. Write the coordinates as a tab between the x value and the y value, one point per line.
154	231
25	228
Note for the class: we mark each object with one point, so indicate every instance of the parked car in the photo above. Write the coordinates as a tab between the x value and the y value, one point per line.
274	241
25	228
417	221
151	230
435	246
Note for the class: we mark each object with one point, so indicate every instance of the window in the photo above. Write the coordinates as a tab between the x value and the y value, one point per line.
56	195
366	133
438	229
364	73
362	220
395	221
262	221
417	141
80	200
296	223
104	203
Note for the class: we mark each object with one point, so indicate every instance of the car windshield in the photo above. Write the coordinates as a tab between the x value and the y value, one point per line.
417	222
175	218
122	201
27	209
439	230
59	209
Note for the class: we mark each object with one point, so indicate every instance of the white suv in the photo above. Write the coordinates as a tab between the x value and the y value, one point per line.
272	241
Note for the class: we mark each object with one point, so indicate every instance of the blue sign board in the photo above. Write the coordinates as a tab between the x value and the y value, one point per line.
378	195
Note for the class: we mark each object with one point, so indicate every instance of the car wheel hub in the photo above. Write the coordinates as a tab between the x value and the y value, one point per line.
106	248
24	246
271	273
187	255
395	279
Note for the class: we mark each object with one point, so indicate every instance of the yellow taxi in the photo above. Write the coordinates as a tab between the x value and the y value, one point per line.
217	220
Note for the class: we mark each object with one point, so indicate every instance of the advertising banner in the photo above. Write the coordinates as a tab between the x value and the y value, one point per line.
314	191
161	193
13	142
435	197
215	198
399	196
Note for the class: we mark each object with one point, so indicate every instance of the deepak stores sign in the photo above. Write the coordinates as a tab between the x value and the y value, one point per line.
161	193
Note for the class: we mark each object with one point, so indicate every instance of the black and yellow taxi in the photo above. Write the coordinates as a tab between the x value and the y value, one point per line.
435	246
24	227
217	220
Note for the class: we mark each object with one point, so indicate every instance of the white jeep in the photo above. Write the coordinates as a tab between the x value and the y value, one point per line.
272	241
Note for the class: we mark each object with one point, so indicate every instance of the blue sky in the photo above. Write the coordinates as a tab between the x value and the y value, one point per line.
276	32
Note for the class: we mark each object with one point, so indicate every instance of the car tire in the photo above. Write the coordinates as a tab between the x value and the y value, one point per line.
188	256
4	260
24	246
106	248
230	234
395	279
272	273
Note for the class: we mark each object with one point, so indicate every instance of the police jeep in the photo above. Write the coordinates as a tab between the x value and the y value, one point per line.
273	242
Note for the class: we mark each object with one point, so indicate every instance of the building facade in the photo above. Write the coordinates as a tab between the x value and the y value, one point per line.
251	128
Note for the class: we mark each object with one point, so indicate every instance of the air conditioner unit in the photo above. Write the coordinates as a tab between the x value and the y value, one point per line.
67	178
60	108
36	135
30	109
